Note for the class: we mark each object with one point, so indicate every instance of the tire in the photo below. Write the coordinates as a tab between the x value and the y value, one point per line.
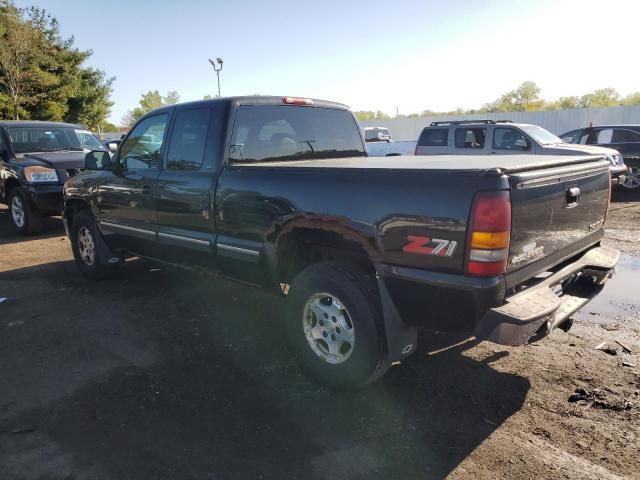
346	296
25	219
84	244
632	181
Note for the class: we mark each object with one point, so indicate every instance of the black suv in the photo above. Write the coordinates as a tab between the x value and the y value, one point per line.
36	158
623	138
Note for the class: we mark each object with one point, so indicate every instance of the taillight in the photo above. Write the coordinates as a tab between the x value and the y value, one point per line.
297	101
489	234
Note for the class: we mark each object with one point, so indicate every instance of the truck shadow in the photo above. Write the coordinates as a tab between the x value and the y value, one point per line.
191	378
53	227
621	195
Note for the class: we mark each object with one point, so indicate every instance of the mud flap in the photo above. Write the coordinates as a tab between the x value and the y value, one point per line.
106	255
401	339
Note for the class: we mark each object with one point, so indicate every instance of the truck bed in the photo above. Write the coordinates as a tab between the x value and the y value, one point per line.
454	163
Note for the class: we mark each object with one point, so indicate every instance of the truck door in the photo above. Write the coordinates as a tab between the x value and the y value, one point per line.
126	200
184	196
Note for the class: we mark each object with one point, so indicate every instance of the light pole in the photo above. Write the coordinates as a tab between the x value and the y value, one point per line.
217	70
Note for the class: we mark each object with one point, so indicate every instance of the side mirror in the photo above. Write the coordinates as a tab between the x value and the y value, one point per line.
521	143
97	160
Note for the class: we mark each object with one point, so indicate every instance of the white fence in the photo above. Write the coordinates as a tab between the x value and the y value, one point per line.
556	121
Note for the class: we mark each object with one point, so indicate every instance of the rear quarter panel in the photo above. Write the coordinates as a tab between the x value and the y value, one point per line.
381	207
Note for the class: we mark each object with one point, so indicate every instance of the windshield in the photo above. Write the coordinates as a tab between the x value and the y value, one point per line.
271	133
52	139
540	135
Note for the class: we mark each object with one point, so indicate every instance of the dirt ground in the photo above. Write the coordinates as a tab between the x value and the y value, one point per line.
165	374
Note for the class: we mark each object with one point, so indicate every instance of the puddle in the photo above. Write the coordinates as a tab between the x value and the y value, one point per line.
621	295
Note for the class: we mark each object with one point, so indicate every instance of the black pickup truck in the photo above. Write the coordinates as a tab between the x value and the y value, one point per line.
36	158
279	193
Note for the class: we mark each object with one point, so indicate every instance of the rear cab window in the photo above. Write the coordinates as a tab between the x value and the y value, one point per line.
470	137
434	137
287	132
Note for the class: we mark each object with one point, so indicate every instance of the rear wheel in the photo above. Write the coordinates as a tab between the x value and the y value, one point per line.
632	179
26	220
84	243
334	323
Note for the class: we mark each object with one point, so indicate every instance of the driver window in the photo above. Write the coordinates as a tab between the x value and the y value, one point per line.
509	139
142	148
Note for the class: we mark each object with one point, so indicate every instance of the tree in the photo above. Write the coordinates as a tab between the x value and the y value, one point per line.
632	99
149	101
90	106
19	50
603	97
42	75
171	98
522	99
363	116
207	97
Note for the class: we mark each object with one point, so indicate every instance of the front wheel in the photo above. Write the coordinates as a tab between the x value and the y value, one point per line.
84	243
632	179
334	323
26	220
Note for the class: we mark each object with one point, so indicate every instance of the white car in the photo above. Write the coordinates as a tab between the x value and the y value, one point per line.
380	144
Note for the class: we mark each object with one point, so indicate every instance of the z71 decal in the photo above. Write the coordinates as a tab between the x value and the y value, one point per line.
430	246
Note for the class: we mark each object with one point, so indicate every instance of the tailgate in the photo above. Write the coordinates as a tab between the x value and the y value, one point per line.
556	211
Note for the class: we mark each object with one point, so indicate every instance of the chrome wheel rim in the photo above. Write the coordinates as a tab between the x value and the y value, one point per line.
86	246
17	211
632	180
328	328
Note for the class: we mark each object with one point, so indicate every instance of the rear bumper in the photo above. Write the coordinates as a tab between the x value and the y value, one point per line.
480	306
536	311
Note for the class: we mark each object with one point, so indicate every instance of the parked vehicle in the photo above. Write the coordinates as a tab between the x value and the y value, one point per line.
380	144
623	138
36	158
278	193
112	143
503	137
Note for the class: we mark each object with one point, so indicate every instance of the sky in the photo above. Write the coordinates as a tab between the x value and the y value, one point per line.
407	56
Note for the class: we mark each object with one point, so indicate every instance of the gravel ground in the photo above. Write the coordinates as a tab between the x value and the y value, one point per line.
165	374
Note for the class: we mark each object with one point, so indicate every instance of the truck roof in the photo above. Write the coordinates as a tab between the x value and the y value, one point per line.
506	163
255	100
37	123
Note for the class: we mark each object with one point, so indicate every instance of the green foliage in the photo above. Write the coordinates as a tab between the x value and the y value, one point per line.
207	97
522	99
149	101
42	76
378	115
603	97
526	98
632	99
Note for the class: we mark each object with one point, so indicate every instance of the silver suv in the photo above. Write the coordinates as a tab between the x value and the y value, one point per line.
490	137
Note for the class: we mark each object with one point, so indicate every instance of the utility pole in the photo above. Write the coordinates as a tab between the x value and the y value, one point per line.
217	70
